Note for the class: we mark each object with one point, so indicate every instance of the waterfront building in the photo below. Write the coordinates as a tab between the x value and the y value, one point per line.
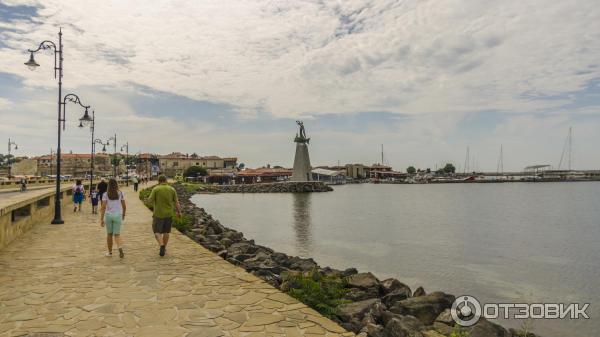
147	164
356	171
376	170
74	164
24	167
176	163
263	175
330	177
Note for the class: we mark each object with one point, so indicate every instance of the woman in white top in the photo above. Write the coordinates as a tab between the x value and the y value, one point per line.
112	214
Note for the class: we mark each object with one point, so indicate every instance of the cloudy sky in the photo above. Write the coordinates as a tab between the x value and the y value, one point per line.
424	78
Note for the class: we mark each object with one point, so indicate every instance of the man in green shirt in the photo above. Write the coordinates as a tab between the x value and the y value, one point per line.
163	199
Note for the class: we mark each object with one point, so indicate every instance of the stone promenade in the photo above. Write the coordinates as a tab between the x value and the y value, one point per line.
56	281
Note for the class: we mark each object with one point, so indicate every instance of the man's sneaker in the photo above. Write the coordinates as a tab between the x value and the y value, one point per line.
107	254
162	251
121	254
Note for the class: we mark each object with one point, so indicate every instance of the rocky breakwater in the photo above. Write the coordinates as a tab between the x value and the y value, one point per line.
359	302
280	187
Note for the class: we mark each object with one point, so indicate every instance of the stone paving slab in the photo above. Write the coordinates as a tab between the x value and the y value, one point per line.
56	281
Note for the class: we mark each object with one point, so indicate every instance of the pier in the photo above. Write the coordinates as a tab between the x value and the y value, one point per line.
55	279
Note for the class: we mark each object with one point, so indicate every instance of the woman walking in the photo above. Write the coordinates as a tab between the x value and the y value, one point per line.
78	195
112	214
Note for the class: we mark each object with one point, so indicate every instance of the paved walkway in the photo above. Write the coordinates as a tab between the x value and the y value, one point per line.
55	279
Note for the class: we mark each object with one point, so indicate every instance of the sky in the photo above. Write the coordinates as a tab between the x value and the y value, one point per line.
426	79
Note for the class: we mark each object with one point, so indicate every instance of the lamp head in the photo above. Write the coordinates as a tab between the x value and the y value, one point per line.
86	119
31	64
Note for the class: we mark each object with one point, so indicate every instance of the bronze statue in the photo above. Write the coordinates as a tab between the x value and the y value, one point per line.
301	137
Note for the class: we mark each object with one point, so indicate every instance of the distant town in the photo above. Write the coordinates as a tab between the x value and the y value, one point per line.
227	170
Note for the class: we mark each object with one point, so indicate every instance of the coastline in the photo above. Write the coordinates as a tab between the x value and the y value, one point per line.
366	305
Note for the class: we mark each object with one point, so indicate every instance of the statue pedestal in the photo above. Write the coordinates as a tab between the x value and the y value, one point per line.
302	170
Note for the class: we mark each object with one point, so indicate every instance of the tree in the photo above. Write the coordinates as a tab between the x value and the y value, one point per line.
195	171
411	170
449	168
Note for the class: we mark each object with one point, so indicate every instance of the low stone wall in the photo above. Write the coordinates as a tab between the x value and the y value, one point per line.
281	187
19	214
372	308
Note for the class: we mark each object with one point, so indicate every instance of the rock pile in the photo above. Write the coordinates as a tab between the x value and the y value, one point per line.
375	308
281	187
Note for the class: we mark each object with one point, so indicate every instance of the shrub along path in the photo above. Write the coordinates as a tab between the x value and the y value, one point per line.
55	279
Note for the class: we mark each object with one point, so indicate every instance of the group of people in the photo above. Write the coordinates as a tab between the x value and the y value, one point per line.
162	199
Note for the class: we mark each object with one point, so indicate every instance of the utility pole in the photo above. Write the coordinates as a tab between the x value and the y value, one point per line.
466	167
382	155
500	168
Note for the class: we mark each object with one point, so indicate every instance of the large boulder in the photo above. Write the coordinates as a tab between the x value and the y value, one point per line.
366	281
373	330
426	308
391	284
403	326
395	296
298	263
355	310
419	292
485	328
240	248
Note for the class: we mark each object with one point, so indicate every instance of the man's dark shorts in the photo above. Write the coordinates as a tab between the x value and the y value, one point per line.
162	225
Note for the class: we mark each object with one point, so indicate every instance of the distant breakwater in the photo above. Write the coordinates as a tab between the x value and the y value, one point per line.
359	302
277	187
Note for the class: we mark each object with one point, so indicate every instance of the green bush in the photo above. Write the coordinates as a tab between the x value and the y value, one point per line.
322	293
144	194
458	331
195	171
183	223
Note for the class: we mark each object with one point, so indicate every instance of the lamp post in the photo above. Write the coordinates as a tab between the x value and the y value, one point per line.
92	124
51	159
104	144
114	161
10	147
62	102
126	147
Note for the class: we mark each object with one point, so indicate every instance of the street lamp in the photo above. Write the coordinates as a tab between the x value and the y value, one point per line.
126	146
114	161
62	102
10	147
83	122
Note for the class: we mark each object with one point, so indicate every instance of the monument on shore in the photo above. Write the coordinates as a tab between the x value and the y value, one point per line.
302	169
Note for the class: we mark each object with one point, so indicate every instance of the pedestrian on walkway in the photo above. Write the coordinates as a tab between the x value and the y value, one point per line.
163	199
102	187
94	197
78	195
112	214
135	182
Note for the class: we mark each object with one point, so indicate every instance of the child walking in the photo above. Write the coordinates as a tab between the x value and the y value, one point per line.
94	196
78	195
112	214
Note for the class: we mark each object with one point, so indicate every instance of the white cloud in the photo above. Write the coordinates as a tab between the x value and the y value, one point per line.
294	58
435	60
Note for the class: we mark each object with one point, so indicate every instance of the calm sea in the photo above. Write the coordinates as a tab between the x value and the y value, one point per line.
511	242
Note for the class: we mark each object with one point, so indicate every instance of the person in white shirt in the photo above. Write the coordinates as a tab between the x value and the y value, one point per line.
112	214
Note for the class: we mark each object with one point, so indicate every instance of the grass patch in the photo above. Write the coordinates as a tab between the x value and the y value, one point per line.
184	223
197	187
458	331
322	293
